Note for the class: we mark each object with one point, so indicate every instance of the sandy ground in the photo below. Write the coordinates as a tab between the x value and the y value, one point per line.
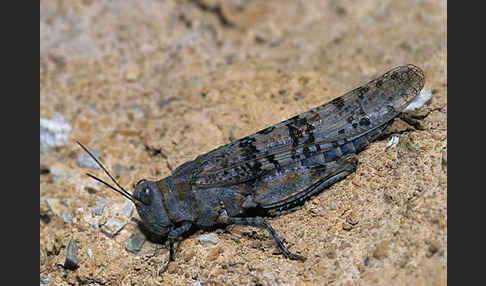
152	84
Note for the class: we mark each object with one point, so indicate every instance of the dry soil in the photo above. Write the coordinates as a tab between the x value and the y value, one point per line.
152	84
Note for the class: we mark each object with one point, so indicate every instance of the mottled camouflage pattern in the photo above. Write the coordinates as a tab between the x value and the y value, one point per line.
278	167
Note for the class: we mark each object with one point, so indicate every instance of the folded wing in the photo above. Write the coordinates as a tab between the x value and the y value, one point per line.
312	132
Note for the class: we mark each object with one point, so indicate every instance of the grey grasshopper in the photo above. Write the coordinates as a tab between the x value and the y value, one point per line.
274	169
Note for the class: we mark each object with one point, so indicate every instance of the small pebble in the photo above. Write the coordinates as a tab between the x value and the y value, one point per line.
112	227
352	218
67	218
197	283
214	252
90	190
423	97
347	226
209	239
85	161
367	261
331	253
59	172
393	141
444	160
71	255
44	279
135	242
100	205
132	74
91	220
46	218
128	209
333	206
434	246
122	210
381	250
54	206
53	132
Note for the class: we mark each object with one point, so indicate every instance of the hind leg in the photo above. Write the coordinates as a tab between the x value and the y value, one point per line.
261	223
305	185
292	185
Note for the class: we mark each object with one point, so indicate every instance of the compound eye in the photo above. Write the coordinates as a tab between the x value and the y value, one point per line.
146	196
141	181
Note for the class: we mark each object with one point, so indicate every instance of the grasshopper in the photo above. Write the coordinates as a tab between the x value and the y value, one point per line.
275	169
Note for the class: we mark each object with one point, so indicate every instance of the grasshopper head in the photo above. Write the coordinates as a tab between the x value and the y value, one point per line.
146	197
150	208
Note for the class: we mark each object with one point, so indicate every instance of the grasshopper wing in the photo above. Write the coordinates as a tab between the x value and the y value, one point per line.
318	130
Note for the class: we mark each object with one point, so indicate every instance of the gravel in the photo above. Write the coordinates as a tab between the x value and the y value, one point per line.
209	239
53	132
72	255
112	227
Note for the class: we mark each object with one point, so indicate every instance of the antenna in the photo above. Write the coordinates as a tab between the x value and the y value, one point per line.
123	192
